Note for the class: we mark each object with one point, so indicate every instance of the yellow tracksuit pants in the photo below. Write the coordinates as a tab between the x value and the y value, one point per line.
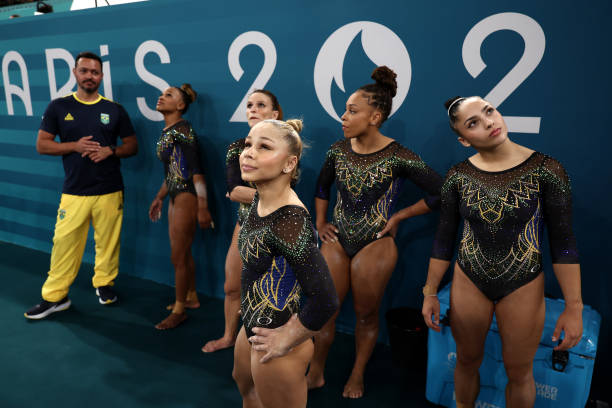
73	216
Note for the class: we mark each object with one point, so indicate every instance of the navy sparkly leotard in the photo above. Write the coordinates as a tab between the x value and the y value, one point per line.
233	176
281	266
177	148
368	185
504	213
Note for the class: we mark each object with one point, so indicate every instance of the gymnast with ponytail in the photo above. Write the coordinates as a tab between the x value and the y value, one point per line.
184	182
368	169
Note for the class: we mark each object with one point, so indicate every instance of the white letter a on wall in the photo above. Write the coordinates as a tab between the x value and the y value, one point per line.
10	89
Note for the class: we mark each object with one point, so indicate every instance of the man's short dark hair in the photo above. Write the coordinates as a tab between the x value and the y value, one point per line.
87	54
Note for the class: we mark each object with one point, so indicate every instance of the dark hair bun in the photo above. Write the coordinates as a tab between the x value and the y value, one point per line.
190	92
452	100
385	77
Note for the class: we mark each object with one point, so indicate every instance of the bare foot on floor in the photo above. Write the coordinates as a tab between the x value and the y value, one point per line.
315	380
190	304
353	387
219	344
170	322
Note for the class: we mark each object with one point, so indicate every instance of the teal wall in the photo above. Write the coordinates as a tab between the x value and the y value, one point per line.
565	83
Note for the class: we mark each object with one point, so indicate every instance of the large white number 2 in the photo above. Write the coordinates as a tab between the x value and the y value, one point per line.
535	42
233	60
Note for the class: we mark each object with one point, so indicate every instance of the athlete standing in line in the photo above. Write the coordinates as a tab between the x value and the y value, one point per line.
287	293
368	169
184	182
261	105
504	194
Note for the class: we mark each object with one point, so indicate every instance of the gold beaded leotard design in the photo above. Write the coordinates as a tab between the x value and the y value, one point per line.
283	271
177	148
233	176
368	185
504	214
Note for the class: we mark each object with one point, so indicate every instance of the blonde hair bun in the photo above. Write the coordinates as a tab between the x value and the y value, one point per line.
296	124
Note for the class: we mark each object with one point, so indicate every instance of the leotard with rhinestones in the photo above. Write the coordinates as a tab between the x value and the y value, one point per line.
177	148
368	186
504	213
283	271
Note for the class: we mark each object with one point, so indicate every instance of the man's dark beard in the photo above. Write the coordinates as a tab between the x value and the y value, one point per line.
89	91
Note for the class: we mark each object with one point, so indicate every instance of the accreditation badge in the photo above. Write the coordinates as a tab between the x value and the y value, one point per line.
105	118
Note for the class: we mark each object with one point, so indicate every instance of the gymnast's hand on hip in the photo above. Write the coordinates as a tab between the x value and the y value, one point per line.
271	341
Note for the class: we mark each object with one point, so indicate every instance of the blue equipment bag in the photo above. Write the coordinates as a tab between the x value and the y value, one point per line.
563	379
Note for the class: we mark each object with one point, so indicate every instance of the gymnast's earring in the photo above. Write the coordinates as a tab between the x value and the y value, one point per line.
285	171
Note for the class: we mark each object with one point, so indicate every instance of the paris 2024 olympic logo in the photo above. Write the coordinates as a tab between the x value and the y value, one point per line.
380	44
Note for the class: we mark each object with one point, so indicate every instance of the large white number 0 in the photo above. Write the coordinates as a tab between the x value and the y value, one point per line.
535	42
233	60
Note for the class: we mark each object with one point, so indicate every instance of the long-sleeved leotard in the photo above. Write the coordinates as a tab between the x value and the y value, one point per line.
368	185
504	213
177	148
233	176
281	266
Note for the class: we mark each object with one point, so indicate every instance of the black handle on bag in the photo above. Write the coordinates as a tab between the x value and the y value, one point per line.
445	319
560	359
